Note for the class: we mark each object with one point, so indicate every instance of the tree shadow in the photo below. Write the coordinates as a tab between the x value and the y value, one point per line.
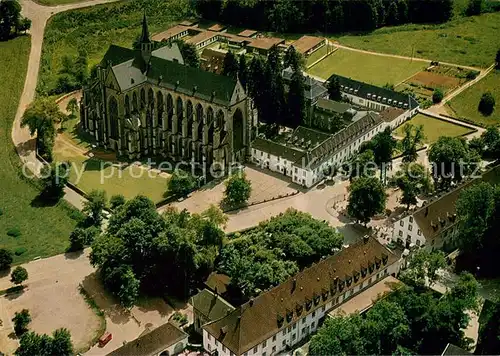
12	336
14	295
44	201
73	255
5	272
25	148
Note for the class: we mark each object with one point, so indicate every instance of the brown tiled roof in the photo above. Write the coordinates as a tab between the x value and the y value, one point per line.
391	113
265	42
187	23
280	307
305	43
247	33
211	305
166	35
440	213
202	36
217	27
153	342
234	38
218	282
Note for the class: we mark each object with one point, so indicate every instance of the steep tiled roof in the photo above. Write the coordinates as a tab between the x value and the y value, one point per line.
277	149
201	37
313	89
216	27
305	43
211	305
452	350
166	35
441	213
116	55
281	306
334	106
153	342
265	42
247	33
368	91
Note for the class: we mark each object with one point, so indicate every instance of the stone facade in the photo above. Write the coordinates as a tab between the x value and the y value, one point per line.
148	103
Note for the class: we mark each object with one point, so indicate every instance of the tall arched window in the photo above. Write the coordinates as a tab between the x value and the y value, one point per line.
159	108
179	110
170	112
135	105
113	118
220	120
143	98
189	115
199	120
127	106
151	97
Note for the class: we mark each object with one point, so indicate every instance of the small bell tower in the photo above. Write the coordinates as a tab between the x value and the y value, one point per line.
146	44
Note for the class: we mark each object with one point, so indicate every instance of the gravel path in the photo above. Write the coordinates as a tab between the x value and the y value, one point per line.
20	136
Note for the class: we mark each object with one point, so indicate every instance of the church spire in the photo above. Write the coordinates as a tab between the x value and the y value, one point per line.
145	31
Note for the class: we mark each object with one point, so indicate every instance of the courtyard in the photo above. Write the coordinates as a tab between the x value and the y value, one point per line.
368	68
54	301
434	128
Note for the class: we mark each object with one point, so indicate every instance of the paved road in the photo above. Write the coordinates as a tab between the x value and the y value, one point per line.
20	136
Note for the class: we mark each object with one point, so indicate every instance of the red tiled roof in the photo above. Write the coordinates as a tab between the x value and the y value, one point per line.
390	114
305	43
202	36
281	306
173	31
247	33
217	27
265	42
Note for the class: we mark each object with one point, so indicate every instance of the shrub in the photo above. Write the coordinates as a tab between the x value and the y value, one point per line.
1	212
116	201
181	182
14	232
486	104
20	250
5	259
437	96
472	74
21	321
19	275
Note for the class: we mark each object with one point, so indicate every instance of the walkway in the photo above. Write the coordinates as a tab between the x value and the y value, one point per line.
20	136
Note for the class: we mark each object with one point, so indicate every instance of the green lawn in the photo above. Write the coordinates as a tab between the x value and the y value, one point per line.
56	2
434	128
44	230
468	41
318	54
465	104
365	67
95	28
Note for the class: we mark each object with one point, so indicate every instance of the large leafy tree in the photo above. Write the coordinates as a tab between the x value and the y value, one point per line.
296	101
423	267
413	179
367	198
452	160
54	179
489	342
383	146
19	275
238	189
94	206
5	259
293	59
40	118
339	336
231	65
59	344
189	53
333	87
414	137
273	100
362	165
243	71
21	320
497	59
486	104
10	12
181	182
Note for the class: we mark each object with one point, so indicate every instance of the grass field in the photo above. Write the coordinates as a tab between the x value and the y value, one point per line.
434	128
465	104
317	54
468	41
56	2
369	68
95	28
44	230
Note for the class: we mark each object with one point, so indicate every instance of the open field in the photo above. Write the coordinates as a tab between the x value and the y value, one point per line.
465	104
95	28
318	54
469	41
56	2
377	70
44	229
53	298
434	128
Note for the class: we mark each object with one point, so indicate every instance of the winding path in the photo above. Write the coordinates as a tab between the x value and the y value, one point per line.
21	136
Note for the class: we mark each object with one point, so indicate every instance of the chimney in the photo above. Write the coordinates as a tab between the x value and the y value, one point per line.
251	302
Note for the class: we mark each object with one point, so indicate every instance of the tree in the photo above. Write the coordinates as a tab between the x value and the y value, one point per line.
215	215
181	183
32	343
486	104
94	206
452	160
61	343
243	71
21	320
437	96
333	87
129	286
18	275
273	96
367	198
72	107
10	11
54	179
414	137
81	237
362	165
296	100
40	118
5	259
490	140
339	336
413	179
238	189
293	59
116	201
383	146
392	13
489	342
474	7
497	59
230	67
189	53
23	25
423	268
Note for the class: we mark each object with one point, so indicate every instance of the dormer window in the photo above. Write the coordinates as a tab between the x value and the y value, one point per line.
289	316
316	299
325	295
280	320
308	304
299	309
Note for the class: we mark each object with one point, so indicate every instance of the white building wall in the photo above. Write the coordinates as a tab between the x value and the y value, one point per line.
303	327
407	231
